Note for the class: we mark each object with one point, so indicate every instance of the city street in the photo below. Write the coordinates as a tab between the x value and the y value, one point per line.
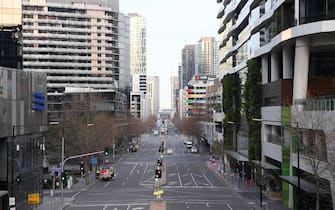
190	184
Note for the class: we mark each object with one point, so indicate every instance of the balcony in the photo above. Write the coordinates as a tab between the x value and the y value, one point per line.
274	139
278	93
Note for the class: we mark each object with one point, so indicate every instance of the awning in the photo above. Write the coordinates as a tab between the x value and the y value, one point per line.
236	155
266	165
305	185
3	193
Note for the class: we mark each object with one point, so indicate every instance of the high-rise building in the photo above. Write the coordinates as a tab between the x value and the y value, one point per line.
188	64
291	43
174	92
138	49
138	67
206	56
153	92
78	44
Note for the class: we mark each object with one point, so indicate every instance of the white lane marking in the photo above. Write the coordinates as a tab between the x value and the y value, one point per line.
107	184
75	195
138	171
128	207
132	170
137	208
105	207
196	184
188	183
208	180
180	183
207	205
187	205
184	175
229	206
123	184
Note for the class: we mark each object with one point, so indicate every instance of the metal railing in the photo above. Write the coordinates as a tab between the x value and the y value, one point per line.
324	103
274	139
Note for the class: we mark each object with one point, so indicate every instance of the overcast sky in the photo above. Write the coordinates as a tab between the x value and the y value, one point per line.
170	25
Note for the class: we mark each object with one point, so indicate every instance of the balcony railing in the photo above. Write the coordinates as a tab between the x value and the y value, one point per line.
324	103
274	139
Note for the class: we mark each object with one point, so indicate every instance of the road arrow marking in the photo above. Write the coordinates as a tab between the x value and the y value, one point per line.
173	174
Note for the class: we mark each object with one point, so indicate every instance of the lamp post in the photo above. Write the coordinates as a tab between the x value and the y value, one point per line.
298	148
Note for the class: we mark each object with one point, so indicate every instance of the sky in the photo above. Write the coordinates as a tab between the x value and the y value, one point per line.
171	24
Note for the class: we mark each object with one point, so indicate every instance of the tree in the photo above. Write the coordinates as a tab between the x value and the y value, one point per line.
314	134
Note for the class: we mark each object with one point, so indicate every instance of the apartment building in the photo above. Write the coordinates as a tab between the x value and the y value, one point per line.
77	44
293	42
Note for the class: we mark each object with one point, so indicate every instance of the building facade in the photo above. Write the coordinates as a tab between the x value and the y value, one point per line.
138	45
174	92
187	64
153	92
206	56
77	44
21	135
293	42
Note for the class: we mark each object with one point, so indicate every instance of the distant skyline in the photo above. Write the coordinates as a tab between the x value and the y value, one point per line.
170	25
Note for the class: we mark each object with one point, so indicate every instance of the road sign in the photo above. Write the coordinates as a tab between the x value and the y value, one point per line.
159	192
94	160
12	201
34	198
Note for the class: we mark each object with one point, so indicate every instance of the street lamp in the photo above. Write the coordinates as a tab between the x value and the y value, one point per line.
298	148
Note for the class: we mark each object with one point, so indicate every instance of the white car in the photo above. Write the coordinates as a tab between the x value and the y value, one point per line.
194	150
189	144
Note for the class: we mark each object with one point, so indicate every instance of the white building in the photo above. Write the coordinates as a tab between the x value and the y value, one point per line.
153	93
138	46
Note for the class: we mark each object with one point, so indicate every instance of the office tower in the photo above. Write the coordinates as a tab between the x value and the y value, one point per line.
138	49
153	92
188	64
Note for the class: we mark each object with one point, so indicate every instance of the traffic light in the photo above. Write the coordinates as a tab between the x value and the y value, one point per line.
38	101
159	162
18	179
82	166
158	173
63	177
107	150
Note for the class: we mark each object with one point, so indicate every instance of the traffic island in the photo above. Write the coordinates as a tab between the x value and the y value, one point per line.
162	181
158	205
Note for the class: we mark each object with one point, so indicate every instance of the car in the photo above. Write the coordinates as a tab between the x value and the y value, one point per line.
185	141
194	150
169	151
189	144
106	173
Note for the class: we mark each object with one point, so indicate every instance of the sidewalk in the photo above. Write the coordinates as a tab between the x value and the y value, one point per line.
249	193
55	202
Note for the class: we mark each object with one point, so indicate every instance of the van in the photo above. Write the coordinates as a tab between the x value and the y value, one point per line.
189	144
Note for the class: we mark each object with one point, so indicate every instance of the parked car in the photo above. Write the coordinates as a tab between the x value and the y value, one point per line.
194	150
106	173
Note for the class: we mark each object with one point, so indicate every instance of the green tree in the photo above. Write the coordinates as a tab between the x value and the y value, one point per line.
231	99
252	107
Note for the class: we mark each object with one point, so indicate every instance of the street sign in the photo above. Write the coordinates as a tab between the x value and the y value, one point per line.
159	192
94	161
12	201
34	198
